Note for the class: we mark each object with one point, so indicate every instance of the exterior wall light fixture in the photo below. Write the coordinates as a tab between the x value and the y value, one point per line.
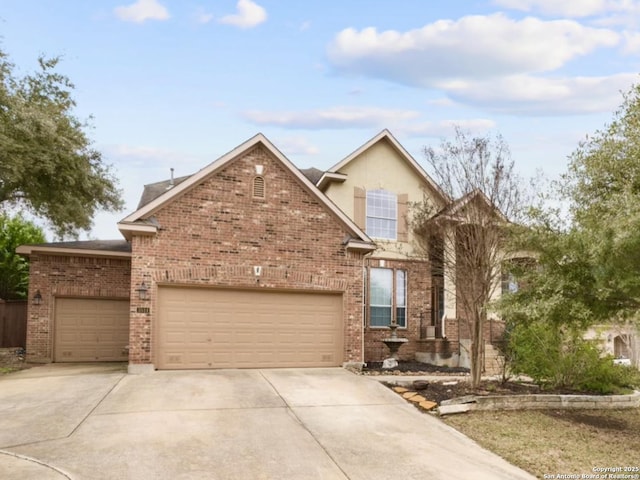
143	291
37	298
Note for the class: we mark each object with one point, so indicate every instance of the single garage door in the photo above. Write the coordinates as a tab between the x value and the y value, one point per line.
218	328
91	330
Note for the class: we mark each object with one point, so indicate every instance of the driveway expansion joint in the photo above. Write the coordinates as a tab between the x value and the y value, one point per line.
299	420
96	406
36	461
173	410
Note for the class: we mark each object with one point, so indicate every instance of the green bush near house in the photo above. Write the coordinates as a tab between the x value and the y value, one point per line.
560	358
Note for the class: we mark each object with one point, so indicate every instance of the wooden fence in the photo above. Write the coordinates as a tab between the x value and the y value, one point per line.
13	324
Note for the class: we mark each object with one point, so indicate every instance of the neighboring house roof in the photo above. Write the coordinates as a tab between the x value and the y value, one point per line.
154	190
108	248
140	222
334	174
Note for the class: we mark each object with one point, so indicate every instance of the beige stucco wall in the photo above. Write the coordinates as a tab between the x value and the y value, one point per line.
604	336
379	167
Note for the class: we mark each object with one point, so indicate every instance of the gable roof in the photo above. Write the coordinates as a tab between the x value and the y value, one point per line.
452	210
333	174
154	190
313	174
142	222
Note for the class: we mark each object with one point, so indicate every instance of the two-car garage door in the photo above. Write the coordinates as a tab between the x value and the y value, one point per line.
219	328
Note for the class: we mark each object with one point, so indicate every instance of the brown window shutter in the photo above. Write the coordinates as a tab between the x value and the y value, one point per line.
360	207
403	212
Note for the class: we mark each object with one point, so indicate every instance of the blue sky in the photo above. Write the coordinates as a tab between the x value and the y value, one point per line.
178	83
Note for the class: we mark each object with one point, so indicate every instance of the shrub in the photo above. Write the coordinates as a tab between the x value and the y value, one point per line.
559	358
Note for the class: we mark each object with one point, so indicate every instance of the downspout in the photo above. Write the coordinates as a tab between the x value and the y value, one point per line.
365	258
444	324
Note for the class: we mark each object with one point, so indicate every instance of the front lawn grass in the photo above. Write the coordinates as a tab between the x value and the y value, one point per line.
556	442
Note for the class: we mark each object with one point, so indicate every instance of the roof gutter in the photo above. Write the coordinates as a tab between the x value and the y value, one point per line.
28	250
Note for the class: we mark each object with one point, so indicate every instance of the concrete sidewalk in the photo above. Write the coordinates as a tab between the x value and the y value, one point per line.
226	424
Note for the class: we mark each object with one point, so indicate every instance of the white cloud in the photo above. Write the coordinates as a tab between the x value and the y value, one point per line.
141	11
134	156
493	61
524	94
441	102
632	42
403	122
304	26
471	47
202	16
249	15
573	8
446	128
331	118
297	146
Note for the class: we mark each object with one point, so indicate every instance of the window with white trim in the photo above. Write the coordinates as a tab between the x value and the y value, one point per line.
388	297
382	214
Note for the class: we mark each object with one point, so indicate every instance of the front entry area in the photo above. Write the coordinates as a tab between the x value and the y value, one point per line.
201	328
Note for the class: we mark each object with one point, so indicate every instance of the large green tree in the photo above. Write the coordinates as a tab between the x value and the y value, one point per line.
14	269
589	259
603	187
47	164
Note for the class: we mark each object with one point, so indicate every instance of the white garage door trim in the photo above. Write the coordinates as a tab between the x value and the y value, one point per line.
90	329
241	328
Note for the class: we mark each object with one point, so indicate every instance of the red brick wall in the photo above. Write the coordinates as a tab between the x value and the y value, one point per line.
418	302
68	276
216	232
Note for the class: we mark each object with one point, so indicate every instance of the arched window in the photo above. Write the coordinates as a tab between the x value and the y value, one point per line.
258	187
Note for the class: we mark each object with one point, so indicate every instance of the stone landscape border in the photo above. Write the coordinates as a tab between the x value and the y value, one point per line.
539	402
535	401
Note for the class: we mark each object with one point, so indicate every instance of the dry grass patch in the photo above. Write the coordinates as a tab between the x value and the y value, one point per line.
557	441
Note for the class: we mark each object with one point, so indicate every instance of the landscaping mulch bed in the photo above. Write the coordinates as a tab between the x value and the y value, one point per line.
439	390
412	368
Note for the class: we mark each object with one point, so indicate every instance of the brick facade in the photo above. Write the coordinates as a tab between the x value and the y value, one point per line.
216	232
216	227
68	276
418	305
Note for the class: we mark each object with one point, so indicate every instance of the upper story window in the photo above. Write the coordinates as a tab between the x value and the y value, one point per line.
382	214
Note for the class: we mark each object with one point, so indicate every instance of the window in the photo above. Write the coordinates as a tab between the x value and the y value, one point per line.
258	187
382	214
401	298
509	283
512	273
388	290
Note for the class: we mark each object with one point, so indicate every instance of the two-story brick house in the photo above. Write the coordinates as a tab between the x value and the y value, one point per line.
251	262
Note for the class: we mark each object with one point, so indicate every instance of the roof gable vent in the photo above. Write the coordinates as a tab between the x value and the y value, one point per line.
258	187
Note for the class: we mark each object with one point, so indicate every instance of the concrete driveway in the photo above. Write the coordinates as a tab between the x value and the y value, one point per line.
97	422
